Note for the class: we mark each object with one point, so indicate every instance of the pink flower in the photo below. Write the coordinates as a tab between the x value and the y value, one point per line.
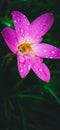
24	42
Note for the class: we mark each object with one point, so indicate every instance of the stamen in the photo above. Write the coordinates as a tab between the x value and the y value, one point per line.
25	47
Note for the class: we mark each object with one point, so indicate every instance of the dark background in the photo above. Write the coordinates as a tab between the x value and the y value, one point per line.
29	103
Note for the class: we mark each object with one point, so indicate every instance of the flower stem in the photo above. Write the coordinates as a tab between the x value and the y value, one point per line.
30	96
23	117
53	94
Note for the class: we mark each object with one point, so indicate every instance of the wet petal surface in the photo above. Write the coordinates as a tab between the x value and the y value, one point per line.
47	51
24	65
21	24
41	70
40	26
9	36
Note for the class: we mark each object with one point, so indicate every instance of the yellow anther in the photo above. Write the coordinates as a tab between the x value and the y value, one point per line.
25	47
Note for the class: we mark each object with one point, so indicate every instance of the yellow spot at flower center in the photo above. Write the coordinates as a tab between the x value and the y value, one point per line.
25	47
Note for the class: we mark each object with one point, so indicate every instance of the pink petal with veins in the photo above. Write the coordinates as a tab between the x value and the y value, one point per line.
21	24
47	51
40	26
9	36
24	65
41	70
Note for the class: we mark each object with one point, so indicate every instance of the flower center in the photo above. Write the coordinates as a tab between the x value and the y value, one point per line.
25	47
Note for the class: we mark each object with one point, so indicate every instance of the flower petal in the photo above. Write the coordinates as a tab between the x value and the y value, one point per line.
47	51
41	70
40	26
24	65
9	36
21	24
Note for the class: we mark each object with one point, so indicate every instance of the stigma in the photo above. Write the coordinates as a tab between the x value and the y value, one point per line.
25	47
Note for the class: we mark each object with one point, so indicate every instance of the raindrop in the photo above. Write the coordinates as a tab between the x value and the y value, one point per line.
45	50
40	69
22	59
21	30
53	52
15	21
46	56
29	67
18	29
21	70
51	57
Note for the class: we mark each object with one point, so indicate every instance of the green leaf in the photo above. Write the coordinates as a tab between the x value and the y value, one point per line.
6	21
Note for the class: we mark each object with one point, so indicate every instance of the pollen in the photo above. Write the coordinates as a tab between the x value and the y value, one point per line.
25	47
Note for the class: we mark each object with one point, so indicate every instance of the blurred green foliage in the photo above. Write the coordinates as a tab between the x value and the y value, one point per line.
29	104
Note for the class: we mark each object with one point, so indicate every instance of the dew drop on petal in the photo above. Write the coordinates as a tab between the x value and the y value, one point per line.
15	21
21	70
46	56
22	59
18	20
24	65
22	30
45	50
29	67
53	52
18	29
40	69
51	57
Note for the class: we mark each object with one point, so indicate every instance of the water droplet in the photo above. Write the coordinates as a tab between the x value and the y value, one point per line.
21	70
24	65
15	21
46	56
53	52
18	20
51	57
40	69
45	50
29	67
18	29
22	59
21	30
